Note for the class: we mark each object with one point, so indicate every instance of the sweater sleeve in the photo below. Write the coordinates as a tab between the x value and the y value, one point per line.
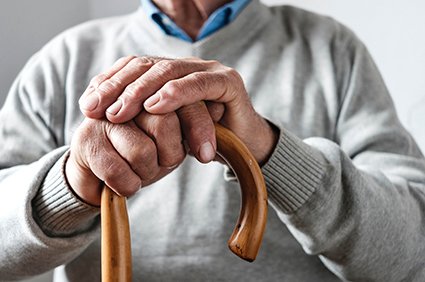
356	201
42	224
57	209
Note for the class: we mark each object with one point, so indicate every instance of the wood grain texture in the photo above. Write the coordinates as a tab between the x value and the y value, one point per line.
116	241
247	235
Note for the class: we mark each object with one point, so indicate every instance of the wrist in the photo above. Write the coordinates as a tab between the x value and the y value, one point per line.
82	181
269	143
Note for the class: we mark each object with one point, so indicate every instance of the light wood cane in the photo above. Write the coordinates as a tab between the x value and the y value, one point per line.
247	235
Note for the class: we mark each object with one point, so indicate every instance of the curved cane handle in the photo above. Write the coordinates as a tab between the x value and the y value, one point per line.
247	235
246	238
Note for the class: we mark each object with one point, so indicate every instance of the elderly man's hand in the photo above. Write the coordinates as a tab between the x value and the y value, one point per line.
161	86
124	156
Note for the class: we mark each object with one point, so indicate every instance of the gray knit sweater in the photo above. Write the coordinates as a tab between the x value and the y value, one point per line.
346	182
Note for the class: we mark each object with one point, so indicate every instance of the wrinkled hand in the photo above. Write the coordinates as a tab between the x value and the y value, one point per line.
161	86
125	156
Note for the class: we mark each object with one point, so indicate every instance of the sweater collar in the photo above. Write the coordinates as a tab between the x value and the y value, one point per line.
251	20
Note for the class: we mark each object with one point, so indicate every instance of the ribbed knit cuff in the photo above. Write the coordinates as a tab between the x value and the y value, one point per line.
57	210
293	173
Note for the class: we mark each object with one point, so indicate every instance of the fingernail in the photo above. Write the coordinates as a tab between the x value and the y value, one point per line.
207	152
89	103
152	101
115	108
172	167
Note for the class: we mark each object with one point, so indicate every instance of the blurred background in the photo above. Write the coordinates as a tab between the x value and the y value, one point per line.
393	30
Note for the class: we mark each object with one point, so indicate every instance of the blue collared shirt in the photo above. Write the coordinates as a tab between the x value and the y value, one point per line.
218	19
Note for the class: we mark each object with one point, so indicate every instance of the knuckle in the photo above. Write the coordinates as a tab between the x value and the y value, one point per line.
88	127
233	81
232	74
191	113
119	178
171	90
161	126
115	82
198	77
147	59
98	79
180	157
148	151
171	153
108	128
222	78
132	91
134	162
124	59
216	110
174	160
144	161
108	86
128	58
114	174
169	163
223	81
213	63
145	172
141	62
167	120
166	67
135	90
200	81
156	127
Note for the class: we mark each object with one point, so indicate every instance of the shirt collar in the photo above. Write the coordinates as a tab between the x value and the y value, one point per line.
218	19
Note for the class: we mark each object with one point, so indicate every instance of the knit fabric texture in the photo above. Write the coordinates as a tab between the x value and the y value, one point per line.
345	182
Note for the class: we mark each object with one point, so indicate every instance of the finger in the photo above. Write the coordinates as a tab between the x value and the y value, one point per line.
131	100
106	163
88	101
136	148
165	131
223	86
216	110
106	90
198	130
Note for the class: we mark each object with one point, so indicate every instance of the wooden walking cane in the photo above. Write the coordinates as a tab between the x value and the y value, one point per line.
247	235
